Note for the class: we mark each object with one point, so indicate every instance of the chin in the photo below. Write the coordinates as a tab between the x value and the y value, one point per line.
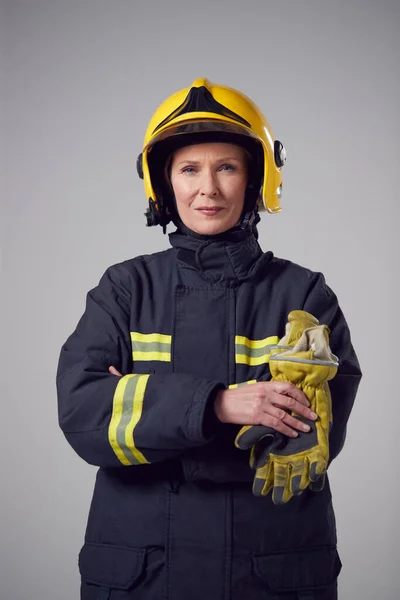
210	228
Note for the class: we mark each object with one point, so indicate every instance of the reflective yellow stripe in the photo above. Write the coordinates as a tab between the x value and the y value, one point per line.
136	414
126	414
116	417
150	337
162	356
273	339
243	359
236	385
254	352
151	346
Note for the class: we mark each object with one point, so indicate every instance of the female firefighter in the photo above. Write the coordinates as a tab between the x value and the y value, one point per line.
191	363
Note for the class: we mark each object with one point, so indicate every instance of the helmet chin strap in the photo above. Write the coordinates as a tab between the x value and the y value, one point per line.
250	216
250	219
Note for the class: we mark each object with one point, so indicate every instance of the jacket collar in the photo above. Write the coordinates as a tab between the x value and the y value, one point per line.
232	256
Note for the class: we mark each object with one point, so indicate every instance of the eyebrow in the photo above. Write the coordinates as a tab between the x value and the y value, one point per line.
196	162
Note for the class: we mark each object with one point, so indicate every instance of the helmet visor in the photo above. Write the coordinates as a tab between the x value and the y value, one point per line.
200	126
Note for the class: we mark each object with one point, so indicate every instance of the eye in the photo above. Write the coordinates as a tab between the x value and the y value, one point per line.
227	167
189	170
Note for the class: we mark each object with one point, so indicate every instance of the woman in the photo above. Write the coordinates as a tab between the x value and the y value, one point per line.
147	383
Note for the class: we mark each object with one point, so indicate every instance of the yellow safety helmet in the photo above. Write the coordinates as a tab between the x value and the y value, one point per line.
208	107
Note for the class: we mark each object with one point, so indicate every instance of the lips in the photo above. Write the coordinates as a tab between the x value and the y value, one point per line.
209	211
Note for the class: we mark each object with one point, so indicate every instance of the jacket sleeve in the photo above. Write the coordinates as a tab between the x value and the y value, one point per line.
323	304
135	419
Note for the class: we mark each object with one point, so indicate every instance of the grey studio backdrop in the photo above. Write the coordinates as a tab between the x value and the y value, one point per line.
80	82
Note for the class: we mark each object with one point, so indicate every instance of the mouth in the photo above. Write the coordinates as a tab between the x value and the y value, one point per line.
209	211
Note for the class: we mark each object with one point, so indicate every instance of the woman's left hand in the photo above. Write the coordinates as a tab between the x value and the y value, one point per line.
114	371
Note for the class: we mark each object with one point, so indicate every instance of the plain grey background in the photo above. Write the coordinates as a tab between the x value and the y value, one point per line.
80	80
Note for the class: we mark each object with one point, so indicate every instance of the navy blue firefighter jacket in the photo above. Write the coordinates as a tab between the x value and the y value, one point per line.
173	516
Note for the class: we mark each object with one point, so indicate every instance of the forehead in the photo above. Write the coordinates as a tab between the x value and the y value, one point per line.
215	150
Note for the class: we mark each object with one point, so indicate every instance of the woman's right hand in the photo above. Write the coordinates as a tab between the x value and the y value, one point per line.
265	403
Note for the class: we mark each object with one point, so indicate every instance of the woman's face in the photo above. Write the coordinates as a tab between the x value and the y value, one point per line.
209	182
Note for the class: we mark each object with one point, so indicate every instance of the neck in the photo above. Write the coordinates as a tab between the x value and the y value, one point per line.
233	255
247	224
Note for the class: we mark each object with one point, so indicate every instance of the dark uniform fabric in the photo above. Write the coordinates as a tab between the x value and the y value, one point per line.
173	515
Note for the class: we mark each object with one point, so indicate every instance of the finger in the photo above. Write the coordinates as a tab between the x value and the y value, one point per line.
287	418
114	371
289	403
276	423
290	389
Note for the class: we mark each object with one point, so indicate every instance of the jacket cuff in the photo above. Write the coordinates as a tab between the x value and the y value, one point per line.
202	422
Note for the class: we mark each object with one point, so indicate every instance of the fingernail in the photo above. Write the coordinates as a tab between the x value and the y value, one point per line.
313	415
295	434
306	428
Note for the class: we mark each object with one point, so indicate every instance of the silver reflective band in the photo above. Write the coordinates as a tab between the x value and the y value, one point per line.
316	361
279	191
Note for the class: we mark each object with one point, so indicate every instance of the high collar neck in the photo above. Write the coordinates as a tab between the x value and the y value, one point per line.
232	256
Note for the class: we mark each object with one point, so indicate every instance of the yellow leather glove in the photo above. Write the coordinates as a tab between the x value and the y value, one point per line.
287	465
250	435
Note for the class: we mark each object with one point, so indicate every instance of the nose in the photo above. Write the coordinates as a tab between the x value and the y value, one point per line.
208	184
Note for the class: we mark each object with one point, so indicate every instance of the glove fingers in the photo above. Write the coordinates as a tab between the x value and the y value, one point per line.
318	486
244	438
251	434
317	470
261	451
253	459
264	480
281	492
300	476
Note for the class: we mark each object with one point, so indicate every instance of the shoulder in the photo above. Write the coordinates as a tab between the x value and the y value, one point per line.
131	272
133	266
302	285
282	268
299	287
